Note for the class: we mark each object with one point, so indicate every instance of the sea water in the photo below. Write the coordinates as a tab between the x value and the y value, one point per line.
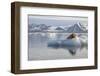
38	48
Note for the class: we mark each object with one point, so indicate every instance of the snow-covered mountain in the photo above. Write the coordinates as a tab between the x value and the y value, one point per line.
37	28
76	28
59	28
55	28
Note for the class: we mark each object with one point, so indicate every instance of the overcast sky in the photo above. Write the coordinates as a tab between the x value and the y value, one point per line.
56	20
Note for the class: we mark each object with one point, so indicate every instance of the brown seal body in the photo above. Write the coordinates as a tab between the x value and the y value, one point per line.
71	36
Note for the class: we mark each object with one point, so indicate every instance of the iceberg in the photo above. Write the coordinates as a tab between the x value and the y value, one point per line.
71	41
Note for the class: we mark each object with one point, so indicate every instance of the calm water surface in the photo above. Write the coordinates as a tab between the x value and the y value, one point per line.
38	47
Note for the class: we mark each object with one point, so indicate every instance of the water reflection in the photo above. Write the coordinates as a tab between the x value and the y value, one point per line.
72	50
39	48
